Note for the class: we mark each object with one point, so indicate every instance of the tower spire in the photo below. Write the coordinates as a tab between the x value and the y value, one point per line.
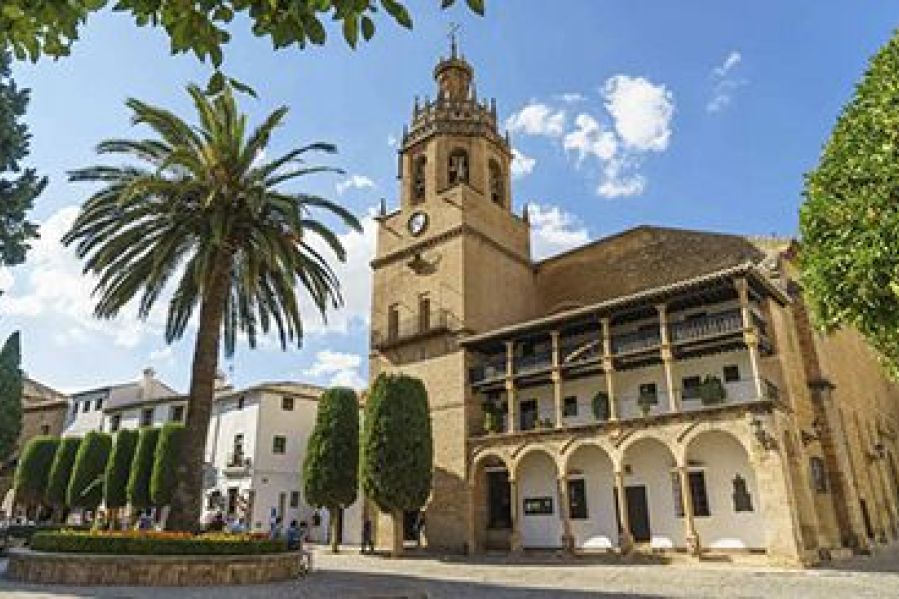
453	28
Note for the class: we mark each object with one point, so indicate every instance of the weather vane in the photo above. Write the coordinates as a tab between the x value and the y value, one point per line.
453	28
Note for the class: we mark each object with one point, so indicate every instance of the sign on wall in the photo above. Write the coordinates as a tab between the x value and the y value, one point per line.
538	506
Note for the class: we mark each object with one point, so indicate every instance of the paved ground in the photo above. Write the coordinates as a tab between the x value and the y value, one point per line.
351	576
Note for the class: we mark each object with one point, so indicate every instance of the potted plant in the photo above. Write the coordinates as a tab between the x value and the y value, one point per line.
712	391
492	418
601	407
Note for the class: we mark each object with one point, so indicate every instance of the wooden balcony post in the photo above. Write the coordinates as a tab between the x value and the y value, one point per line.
667	358
690	535
608	366
512	400
556	377
625	538
750	335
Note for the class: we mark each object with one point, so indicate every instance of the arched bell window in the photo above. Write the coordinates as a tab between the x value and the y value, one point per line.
458	167
496	183
418	179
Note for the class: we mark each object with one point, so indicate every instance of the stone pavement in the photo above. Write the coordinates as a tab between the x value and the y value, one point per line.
351	576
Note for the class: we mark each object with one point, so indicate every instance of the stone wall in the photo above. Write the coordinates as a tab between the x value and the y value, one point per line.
149	570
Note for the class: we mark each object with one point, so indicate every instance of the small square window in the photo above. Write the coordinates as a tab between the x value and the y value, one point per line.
115	422
240	402
177	414
279	444
818	473
731	373
87	406
287	403
690	386
99	405
294	499
570	407
649	391
146	417
45	429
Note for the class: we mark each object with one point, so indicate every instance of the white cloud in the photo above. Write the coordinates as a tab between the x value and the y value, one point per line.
724	83
354	182
571	97
641	112
537	119
337	368
617	185
391	141
522	165
553	230
164	356
589	139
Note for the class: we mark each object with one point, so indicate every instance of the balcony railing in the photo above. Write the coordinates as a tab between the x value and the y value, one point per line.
638	340
534	361
405	329
237	465
580	348
493	367
721	323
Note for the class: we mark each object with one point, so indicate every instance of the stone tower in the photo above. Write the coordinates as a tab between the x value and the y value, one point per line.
442	258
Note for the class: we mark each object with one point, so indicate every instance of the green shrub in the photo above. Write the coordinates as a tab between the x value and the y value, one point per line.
86	484
118	468
165	463
136	543
138	489
712	391
61	471
33	470
11	383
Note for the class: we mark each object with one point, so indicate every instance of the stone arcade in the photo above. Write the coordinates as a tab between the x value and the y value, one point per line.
658	388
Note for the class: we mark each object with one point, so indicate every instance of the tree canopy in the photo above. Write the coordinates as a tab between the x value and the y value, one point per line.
61	471
397	448
118	468
331	465
11	385
33	469
849	255
165	461
49	28
138	489
86	483
18	187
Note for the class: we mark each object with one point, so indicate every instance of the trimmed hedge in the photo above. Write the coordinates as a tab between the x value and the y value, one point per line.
141	468
117	469
165	463
134	543
61	471
86	484
34	469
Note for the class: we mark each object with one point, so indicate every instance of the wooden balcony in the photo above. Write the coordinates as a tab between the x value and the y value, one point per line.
406	330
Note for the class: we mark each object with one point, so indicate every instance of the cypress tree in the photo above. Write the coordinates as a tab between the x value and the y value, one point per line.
397	448
10	396
118	468
138	489
331	465
165	462
61	472
33	470
86	484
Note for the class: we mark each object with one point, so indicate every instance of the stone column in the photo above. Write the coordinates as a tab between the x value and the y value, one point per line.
567	536
626	539
557	379
515	540
472	536
750	335
608	367
667	359
691	537
512	410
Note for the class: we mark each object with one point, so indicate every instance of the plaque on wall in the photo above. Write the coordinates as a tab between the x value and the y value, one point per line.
538	505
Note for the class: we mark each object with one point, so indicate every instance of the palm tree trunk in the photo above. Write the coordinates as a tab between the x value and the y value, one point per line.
187	500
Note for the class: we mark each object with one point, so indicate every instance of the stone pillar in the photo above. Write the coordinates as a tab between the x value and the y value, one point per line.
626	539
690	535
750	335
567	536
515	539
512	410
557	379
472	536
608	367
674	404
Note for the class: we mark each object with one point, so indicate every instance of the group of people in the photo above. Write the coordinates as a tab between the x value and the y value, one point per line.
232	524
295	534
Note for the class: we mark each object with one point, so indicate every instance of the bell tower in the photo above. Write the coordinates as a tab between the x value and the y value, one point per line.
452	260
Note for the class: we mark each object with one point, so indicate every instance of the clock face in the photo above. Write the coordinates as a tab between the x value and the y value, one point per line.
418	222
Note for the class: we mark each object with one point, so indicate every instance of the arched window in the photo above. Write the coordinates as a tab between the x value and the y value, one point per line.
496	183
458	167
418	179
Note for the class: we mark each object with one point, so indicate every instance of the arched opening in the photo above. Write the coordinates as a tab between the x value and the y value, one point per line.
720	470
492	505
538	501
497	187
418	179
590	478
458	167
649	475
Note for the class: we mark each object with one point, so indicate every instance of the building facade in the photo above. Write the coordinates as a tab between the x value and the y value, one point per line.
658	388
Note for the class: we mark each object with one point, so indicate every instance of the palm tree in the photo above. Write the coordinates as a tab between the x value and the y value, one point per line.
205	209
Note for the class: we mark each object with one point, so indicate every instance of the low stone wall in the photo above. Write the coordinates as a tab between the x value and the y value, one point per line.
150	570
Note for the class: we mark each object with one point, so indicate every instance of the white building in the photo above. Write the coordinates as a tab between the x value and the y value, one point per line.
254	451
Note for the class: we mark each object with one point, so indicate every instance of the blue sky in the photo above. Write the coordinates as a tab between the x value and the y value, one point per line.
699	114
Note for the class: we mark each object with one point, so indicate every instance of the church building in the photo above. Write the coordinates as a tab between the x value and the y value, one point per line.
656	389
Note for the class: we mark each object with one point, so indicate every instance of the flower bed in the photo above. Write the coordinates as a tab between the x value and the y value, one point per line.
153	543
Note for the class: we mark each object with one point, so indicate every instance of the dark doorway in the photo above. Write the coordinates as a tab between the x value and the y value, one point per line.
529	414
410	522
638	512
869	530
499	500
339	526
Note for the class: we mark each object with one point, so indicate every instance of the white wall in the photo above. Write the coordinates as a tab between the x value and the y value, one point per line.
584	389
600	529
131	417
627	387
82	422
536	477
651	465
